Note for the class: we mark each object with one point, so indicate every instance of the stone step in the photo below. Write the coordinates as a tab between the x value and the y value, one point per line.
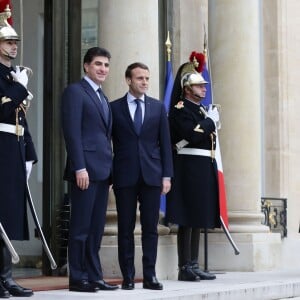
228	286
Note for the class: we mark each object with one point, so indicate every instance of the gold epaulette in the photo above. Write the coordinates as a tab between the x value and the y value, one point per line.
179	105
5	100
198	129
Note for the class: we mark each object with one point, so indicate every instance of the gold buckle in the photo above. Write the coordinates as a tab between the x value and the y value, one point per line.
19	130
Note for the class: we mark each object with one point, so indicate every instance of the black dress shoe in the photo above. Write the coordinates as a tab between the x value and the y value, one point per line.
104	286
186	273
81	286
3	291
16	290
202	274
152	284
127	285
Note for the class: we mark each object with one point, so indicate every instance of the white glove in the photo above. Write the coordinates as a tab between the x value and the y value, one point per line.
30	96
20	76
213	114
28	168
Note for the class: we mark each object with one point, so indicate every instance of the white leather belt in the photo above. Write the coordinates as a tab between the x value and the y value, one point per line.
17	130
195	151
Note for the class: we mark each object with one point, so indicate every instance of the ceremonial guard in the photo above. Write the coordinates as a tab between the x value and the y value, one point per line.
192	202
17	154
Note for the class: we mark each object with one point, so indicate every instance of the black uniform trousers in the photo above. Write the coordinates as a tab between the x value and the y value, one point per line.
188	245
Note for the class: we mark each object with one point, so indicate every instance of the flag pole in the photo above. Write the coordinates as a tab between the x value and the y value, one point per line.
205	229
168	46
207	60
224	222
21	33
167	97
168	74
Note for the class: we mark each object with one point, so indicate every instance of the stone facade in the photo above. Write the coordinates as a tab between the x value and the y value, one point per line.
254	53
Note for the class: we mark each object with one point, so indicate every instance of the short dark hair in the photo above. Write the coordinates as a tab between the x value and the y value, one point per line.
93	52
134	66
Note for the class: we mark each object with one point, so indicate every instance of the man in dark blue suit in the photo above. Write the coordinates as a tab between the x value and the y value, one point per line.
142	168
87	123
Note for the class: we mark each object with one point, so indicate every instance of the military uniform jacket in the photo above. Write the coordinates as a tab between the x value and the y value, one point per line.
193	199
14	152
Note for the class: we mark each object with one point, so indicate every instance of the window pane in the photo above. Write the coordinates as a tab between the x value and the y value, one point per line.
90	34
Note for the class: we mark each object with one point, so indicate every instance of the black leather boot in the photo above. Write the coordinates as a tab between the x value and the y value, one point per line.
195	241
183	245
195	238
184	255
6	275
186	274
16	290
3	292
202	274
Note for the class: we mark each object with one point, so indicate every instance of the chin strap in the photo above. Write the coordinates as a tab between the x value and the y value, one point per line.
5	53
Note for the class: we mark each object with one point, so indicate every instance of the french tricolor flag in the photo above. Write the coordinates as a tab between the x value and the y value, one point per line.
222	192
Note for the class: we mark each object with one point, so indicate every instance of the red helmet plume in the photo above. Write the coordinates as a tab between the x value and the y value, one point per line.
198	59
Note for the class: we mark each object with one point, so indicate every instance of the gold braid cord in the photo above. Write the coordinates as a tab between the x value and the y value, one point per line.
212	145
17	122
24	107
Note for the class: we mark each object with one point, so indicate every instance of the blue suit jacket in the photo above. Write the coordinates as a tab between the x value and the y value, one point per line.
87	136
149	152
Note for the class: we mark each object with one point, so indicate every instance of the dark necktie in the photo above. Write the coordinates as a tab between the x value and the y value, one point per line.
138	118
104	105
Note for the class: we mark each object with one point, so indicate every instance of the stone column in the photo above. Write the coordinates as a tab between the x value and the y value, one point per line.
131	37
129	30
235	46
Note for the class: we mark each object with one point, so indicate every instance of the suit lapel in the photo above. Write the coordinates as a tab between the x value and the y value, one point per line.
126	113
128	116
147	111
89	90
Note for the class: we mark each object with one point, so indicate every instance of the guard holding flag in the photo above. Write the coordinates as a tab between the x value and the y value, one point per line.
193	201
17	154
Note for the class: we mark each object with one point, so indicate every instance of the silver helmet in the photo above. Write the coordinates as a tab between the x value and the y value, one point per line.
190	79
6	30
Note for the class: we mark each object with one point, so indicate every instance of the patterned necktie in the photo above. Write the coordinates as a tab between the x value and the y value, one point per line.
138	118
104	105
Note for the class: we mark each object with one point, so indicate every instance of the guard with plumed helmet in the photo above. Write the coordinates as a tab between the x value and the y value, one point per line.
17	153
192	202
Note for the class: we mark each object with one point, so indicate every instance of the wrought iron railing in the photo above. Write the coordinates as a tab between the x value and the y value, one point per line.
275	214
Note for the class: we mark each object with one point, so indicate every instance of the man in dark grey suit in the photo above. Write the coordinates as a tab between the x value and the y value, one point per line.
87	123
142	168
